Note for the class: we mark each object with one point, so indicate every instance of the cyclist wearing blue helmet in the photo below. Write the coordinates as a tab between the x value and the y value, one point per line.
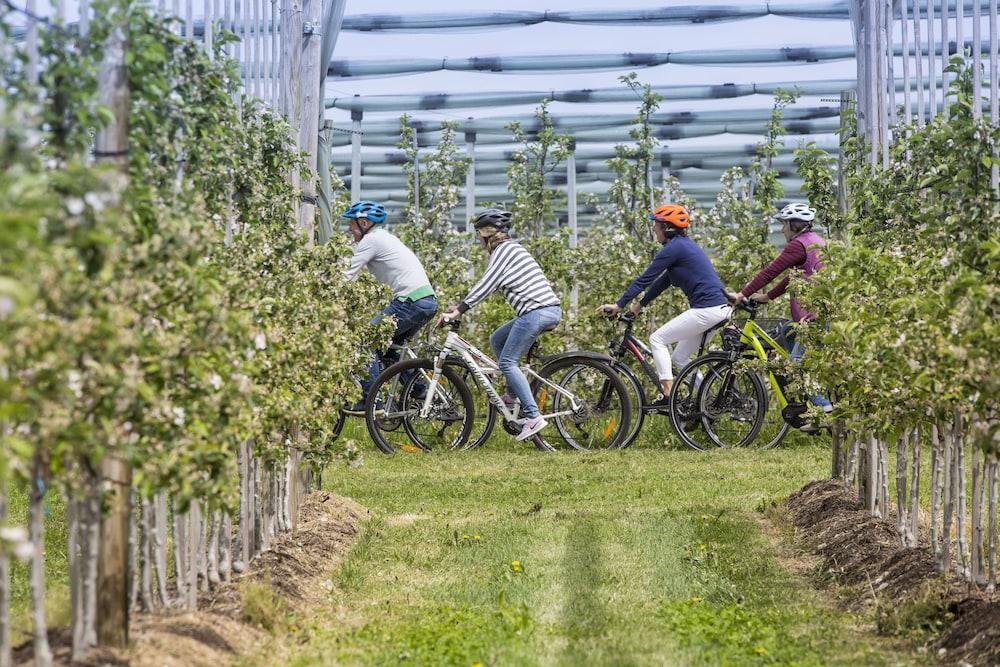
393	264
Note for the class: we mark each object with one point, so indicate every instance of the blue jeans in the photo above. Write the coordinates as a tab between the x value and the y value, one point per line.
410	316
512	341
796	352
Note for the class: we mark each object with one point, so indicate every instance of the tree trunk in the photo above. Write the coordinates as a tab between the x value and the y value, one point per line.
91	552
146	555
225	547
852	463
204	530
160	547
872	481
75	522
213	551
944	554
5	654
36	529
180	555
935	485
191	575
991	480
112	570
837	447
901	523
135	559
884	486
915	489
977	518
958	488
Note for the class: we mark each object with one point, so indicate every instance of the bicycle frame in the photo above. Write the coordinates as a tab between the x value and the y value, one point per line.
476	360
756	338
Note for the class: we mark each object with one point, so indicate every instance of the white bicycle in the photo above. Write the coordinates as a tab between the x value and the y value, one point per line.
578	393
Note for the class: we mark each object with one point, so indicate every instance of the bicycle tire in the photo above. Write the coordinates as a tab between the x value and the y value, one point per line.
468	408
715	366
612	382
476	438
638	395
765	439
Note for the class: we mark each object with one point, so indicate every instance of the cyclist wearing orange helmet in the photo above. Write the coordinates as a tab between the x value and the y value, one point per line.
682	263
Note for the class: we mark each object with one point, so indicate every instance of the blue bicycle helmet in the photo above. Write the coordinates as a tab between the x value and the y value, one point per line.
366	209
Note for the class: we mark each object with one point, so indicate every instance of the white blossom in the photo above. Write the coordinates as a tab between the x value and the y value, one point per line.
260	341
179	415
215	381
75	205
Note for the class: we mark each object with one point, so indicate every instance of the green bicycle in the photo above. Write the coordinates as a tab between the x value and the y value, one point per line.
719	400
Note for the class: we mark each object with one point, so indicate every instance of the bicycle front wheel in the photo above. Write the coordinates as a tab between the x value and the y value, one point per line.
396	400
717	403
591	408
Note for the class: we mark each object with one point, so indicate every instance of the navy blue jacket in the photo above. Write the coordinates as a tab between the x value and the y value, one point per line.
682	263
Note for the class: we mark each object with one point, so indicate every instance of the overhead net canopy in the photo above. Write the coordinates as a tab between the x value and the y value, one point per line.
717	67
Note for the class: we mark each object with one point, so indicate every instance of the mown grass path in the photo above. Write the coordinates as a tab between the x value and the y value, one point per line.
506	556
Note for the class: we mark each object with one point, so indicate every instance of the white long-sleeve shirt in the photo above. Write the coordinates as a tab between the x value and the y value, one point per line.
391	262
518	276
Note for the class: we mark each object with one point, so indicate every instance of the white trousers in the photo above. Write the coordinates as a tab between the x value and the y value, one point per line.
686	330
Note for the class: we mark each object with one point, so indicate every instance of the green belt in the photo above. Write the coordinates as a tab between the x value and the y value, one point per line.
418	294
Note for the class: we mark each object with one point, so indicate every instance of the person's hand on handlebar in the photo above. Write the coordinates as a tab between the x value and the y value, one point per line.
760	297
733	298
448	317
609	309
636	308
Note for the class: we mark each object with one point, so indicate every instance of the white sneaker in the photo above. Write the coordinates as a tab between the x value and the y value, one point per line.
531	427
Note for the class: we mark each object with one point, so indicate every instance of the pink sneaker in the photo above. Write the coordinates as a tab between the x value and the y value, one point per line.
531	427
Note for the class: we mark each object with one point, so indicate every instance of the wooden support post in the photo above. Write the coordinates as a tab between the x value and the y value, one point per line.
931	70
945	78
977	59
311	108
111	146
918	54
905	25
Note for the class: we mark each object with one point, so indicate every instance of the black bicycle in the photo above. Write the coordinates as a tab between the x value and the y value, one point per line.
628	347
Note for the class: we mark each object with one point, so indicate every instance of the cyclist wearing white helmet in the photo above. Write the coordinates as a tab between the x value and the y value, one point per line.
393	264
801	253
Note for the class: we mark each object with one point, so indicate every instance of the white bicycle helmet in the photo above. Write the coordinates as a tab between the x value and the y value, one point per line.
797	211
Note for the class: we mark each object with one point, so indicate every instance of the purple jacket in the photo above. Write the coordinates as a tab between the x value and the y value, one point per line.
800	253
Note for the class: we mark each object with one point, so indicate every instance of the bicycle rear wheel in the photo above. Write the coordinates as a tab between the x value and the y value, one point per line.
602	415
395	401
716	403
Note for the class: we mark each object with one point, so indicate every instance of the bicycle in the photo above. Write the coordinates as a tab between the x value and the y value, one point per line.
408	350
629	346
722	397
589	402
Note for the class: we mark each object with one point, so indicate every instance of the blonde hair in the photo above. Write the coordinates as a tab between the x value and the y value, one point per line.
494	239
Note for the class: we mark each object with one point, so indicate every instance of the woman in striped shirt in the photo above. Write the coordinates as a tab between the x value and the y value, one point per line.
514	272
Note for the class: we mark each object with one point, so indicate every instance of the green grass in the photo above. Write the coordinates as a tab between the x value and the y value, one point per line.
56	564
505	556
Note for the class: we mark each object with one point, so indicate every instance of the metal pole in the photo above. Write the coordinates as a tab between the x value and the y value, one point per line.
945	78
416	179
227	21
960	28
931	71
189	22
848	98
874	122
994	96
256	48
356	116
888	19
239	47
275	70
470	180
665	172
208	18
904	24
574	296
31	43
919	60
977	60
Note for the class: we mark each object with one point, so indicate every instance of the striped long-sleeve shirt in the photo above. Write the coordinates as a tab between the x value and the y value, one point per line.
514	272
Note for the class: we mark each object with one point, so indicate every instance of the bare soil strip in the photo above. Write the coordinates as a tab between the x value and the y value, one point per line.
862	552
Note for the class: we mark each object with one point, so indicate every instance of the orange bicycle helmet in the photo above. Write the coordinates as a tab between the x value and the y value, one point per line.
673	214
